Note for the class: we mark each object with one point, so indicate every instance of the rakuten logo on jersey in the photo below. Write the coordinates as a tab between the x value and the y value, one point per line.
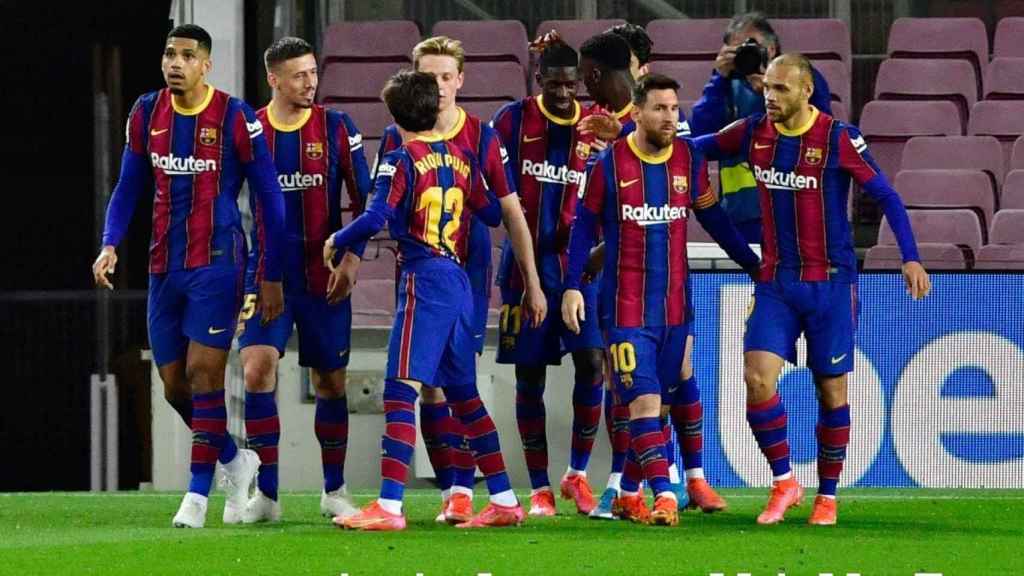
551	174
299	181
776	180
177	166
648	215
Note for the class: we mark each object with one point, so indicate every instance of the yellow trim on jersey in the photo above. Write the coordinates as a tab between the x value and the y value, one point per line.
198	109
433	137
560	121
705	200
660	158
799	131
736	178
458	125
618	115
282	127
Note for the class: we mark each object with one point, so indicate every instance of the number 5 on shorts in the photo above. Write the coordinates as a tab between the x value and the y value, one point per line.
248	311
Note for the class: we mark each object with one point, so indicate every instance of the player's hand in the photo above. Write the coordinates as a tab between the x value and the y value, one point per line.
595	263
725	62
343	278
271	301
918	283
573	310
598	145
329	252
104	266
756	82
601	125
535	303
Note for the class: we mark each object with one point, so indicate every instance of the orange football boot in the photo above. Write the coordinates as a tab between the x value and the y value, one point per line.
824	512
785	494
373	518
459	509
542	503
666	511
703	496
577	488
632	508
496	516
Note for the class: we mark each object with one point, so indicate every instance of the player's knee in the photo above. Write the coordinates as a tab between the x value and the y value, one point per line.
204	375
330	384
645	406
589	362
260	372
758	385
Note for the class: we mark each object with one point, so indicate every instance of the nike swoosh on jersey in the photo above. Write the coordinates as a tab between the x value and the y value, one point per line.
625	183
836	360
759	146
528	139
342	353
214	331
158	132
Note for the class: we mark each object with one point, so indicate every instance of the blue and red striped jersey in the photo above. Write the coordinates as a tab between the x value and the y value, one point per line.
629	125
548	159
430	187
199	158
642	203
803	179
314	158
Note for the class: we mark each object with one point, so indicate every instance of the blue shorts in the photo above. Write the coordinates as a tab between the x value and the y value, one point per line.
200	305
825	312
646	360
432	337
519	343
325	330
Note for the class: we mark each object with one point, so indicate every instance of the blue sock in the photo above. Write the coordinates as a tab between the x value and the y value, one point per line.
209	437
263	432
331	426
587	394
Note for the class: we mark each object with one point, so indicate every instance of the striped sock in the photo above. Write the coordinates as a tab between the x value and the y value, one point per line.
399	440
464	475
530	418
586	404
263	432
688	419
482	437
833	433
331	427
209	436
632	473
669	438
434	426
620	436
649	445
768	422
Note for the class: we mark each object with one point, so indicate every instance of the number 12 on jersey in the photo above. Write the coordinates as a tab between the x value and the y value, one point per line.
439	202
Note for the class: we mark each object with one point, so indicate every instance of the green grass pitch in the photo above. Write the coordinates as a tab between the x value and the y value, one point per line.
881	532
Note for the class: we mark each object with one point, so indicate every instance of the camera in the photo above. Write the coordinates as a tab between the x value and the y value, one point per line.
751	58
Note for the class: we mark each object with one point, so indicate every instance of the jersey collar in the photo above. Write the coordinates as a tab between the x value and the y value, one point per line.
198	109
621	113
282	127
559	121
802	129
458	125
660	158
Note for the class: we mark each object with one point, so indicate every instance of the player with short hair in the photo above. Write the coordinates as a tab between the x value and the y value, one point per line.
640	192
803	160
425	191
443	436
316	151
640	45
548	157
193	145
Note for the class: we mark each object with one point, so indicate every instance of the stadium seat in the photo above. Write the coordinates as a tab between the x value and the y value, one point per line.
356	81
956	153
493	81
942	38
380	41
934	256
1012	197
371	118
488	40
373	302
1006	247
1017	159
379	261
1004	79
687	107
958	227
691	75
1009	31
837	75
928	80
942	189
1003	119
575	32
816	38
686	39
888	126
840	112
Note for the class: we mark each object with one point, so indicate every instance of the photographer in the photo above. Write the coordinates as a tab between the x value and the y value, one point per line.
734	92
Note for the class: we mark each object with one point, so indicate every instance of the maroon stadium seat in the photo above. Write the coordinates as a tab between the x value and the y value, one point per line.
816	38
941	189
1004	79
934	256
1017	159
888	125
380	41
493	81
838	77
691	75
928	80
371	118
956	153
1009	31
1012	197
1006	248
839	112
1003	119
356	81
575	32
956	38
687	39
488	40
942	227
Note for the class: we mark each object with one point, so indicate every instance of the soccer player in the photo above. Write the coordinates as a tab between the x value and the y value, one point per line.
199	143
316	151
803	160
442	434
639	47
425	191
640	192
549	160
